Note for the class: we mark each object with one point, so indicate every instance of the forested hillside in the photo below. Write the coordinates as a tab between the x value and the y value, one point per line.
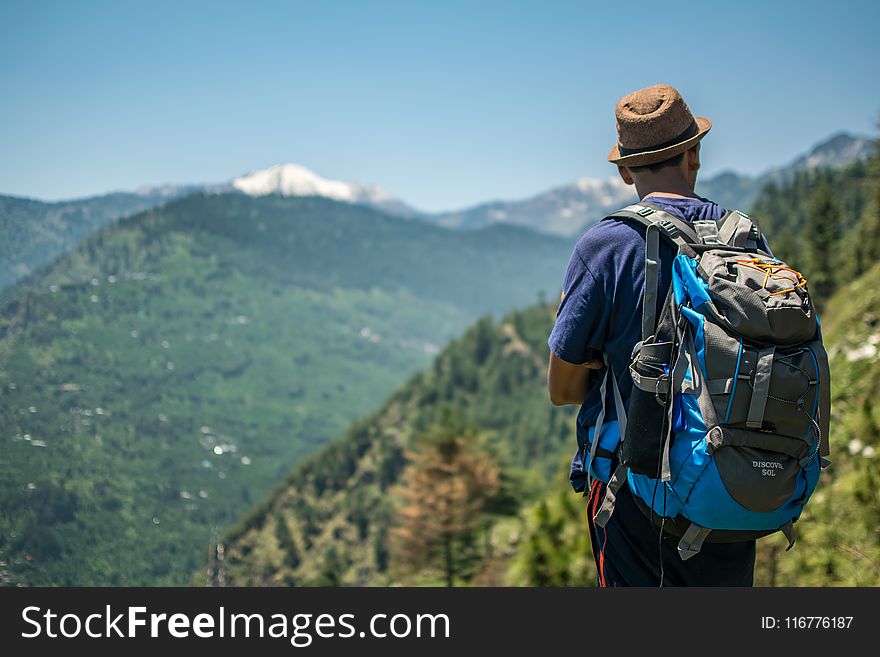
34	232
825	221
161	378
330	521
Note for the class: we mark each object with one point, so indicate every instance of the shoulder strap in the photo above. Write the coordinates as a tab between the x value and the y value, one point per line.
657	222
677	231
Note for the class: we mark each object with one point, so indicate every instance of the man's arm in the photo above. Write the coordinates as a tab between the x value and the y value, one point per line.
568	383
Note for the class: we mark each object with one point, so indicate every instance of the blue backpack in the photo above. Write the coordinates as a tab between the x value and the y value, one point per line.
726	428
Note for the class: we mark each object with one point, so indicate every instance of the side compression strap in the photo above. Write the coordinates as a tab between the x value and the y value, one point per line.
788	531
679	371
760	388
619	476
824	405
692	541
600	420
699	383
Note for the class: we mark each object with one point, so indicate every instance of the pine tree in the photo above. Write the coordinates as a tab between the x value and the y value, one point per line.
554	548
445	489
823	232
285	541
331	571
867	233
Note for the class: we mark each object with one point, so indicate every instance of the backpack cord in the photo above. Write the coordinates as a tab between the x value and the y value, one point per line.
660	542
799	403
665	427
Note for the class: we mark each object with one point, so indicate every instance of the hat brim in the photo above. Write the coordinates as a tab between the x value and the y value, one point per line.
645	158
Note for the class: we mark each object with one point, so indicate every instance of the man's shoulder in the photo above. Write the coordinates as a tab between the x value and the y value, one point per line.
609	239
611	230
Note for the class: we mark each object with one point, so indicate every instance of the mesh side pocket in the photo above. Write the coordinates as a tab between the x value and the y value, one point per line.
640	451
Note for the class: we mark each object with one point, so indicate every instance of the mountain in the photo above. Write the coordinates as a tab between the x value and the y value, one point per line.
296	180
734	190
560	211
33	232
837	151
786	212
569	209
164	375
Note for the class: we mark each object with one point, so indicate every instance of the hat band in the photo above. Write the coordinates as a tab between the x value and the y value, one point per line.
689	132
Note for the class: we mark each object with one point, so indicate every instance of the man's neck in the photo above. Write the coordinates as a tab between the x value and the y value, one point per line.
668	195
669	188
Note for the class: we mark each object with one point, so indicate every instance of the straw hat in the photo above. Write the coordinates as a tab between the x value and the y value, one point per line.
654	124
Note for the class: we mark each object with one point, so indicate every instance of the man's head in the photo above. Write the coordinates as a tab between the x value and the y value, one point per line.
667	175
657	139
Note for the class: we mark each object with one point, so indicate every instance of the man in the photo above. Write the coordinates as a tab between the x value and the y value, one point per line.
658	151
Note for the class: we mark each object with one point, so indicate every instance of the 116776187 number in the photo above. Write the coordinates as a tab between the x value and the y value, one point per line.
807	622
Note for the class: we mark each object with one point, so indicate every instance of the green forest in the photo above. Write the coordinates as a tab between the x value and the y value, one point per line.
35	232
353	514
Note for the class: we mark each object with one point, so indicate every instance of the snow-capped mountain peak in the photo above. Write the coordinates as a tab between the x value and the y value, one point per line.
297	180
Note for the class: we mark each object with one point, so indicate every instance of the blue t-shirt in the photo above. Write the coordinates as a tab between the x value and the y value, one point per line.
601	307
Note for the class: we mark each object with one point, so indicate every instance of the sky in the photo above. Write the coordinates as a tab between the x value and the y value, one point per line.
444	104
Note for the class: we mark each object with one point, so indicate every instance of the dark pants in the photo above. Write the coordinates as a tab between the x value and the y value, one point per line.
630	552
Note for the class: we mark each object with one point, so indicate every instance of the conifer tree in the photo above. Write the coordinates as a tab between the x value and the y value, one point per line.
823	234
867	238
554	547
445	489
285	541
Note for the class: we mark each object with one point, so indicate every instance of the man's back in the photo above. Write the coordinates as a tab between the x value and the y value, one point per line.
600	313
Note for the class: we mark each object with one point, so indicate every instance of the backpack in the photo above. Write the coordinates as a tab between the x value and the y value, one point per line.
726	429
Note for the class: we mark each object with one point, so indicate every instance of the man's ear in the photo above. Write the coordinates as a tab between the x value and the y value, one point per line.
625	174
693	158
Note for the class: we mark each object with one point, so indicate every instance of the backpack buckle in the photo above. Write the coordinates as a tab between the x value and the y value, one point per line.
645	211
669	228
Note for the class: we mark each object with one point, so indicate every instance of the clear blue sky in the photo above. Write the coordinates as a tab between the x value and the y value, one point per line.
442	103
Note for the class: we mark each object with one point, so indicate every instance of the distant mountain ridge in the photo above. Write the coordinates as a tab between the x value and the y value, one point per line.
33	232
569	209
734	190
289	179
560	211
